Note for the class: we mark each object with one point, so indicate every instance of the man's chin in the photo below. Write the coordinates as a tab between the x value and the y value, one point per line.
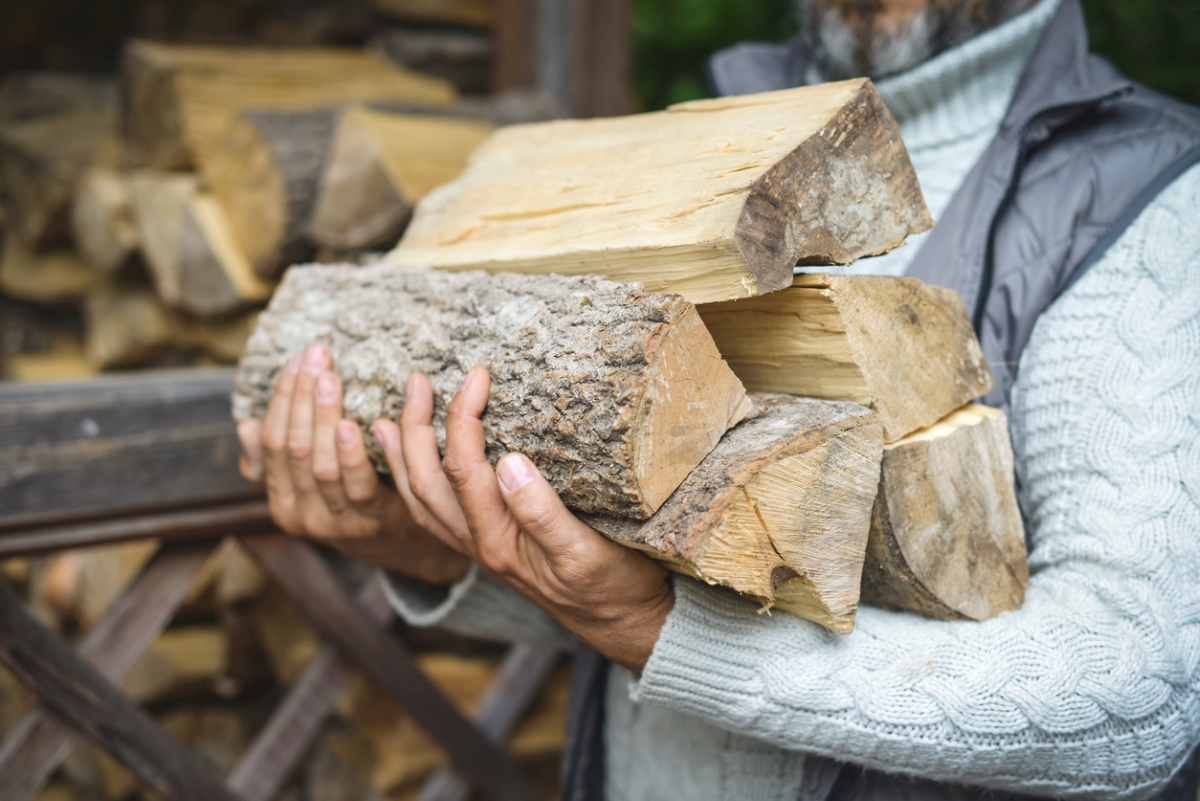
844	51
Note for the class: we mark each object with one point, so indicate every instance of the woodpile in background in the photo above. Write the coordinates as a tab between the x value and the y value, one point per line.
236	645
154	227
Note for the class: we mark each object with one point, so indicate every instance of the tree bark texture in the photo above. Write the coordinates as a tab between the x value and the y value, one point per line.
714	199
615	393
946	534
779	510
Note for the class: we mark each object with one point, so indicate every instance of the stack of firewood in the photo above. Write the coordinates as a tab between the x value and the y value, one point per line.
857	466
168	215
236	646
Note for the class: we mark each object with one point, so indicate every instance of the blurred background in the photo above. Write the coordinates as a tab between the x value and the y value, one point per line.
157	173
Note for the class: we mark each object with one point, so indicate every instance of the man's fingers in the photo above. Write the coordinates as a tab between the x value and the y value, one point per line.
537	508
360	483
281	494
387	434
493	528
300	423
423	466
327	413
250	463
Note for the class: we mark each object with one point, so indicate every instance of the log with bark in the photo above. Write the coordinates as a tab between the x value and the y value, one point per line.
615	393
102	219
946	534
181	99
379	165
898	345
265	175
713	199
187	243
780	509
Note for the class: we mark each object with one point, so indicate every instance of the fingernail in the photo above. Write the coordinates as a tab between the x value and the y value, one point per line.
345	433
515	472
408	386
382	435
314	358
327	387
468	378
293	366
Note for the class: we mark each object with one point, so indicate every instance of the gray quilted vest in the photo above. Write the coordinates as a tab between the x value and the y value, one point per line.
1082	150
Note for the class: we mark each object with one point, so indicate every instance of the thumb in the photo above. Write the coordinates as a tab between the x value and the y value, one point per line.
250	464
536	507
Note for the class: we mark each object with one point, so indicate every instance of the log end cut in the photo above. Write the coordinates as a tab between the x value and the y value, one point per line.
947	539
846	193
779	510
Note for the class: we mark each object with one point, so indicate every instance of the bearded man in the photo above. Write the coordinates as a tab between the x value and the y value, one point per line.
1066	201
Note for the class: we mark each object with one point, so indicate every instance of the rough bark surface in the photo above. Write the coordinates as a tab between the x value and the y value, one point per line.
615	393
946	534
779	510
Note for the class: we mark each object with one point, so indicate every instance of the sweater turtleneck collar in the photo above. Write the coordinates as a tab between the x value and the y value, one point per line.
967	89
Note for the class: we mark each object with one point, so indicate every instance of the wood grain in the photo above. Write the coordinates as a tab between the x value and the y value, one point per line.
713	199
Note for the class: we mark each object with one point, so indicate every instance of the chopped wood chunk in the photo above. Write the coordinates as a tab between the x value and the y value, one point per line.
714	199
779	510
898	345
379	166
615	393
946	534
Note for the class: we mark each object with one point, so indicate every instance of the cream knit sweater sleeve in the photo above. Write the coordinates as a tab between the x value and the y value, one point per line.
1092	688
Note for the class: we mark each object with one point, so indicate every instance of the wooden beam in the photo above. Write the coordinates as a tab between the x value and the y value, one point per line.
604	58
714	199
79	694
115	444
615	393
316	591
515	35
40	742
501	708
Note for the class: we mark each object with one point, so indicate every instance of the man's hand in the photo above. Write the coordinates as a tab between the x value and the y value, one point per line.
514	525
321	484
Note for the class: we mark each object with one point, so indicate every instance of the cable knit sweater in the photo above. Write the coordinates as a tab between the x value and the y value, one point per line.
1091	689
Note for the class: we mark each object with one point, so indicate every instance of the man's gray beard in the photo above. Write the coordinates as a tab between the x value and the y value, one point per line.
840	53
844	49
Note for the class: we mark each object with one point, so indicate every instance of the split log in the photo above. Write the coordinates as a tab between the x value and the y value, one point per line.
53	278
379	166
714	199
187	243
265	177
779	510
102	219
902	347
41	161
946	534
181	99
616	394
223	340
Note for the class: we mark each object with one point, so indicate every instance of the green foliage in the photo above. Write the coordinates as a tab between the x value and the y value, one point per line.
672	40
1156	42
